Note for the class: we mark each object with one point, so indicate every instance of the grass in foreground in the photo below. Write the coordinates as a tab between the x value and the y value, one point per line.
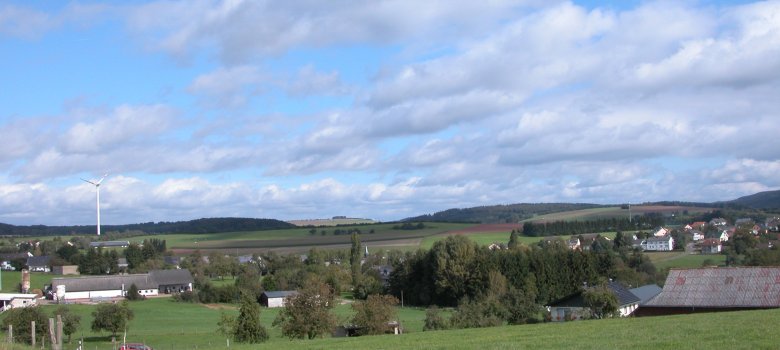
168	325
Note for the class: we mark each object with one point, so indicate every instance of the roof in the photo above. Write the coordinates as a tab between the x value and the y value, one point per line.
151	280
179	276
646	292
711	242
94	283
11	296
109	244
724	287
38	260
623	295
659	239
280	294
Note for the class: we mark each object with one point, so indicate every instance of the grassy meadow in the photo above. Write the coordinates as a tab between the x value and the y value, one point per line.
165	325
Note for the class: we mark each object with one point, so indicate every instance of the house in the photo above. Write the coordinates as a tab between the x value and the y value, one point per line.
38	263
106	244
724	235
713	289
744	222
711	246
573	307
497	246
574	244
15	300
277	298
658	244
773	224
65	270
245	259
660	232
698	225
718	222
646	292
114	286
696	235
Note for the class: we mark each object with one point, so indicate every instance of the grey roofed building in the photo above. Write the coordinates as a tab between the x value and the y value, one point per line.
623	295
152	280
280	293
646	292
716	289
120	244
36	263
96	283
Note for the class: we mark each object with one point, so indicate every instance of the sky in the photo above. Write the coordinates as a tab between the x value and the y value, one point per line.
380	109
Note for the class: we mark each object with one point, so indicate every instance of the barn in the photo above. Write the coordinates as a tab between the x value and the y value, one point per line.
277	298
99	287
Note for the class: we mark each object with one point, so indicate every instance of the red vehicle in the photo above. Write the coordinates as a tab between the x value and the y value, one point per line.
134	346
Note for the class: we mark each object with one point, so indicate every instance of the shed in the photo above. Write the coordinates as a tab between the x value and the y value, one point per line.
574	307
65	270
276	298
14	300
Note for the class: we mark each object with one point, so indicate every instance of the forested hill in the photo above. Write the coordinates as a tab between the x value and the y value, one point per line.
501	213
761	200
210	225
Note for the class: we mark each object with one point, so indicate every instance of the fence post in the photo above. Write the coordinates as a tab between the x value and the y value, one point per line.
32	332
10	333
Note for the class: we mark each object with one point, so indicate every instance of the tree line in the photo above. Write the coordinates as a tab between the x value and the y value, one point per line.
557	228
206	225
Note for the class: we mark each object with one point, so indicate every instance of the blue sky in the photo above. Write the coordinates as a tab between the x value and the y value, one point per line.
382	109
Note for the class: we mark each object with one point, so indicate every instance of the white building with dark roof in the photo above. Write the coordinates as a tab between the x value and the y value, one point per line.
658	244
113	286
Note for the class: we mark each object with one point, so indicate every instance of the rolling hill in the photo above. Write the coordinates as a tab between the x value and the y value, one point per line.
210	225
761	200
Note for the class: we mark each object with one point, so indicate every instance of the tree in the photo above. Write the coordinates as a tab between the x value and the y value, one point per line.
307	314
601	301
132	293
513	240
112	317
373	314
70	321
134	256
247	327
354	259
20	319
485	312
434	320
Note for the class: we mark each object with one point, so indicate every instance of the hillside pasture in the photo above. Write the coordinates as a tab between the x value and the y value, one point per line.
164	325
614	212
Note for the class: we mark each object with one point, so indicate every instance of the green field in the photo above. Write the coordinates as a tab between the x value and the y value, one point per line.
168	325
12	279
663	260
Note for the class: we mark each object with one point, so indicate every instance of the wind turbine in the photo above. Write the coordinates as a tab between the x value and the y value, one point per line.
97	192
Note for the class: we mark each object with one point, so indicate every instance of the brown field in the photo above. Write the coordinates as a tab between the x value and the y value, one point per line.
488	228
331	222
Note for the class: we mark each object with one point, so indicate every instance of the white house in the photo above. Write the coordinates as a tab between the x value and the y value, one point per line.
724	236
697	235
660	244
15	300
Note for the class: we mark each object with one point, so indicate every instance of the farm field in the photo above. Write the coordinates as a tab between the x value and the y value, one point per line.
609	212
677	259
331	222
168	325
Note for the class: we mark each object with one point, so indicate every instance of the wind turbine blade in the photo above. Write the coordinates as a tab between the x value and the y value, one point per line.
101	179
90	182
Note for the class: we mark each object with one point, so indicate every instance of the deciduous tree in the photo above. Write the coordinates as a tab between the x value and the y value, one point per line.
112	317
373	314
307	314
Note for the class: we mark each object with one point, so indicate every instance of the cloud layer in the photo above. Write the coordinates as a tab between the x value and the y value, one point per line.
393	109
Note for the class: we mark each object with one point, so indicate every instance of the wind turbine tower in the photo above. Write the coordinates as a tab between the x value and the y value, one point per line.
97	194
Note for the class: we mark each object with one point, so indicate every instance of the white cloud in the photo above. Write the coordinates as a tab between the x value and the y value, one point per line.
227	87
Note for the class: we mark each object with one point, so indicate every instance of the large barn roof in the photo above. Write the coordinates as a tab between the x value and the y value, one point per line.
724	287
151	280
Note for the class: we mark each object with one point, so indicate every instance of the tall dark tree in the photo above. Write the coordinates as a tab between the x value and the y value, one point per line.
514	241
248	328
354	259
70	321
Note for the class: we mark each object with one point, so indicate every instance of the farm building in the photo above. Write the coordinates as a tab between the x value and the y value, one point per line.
711	246
38	263
96	287
105	244
573	307
646	292
65	270
277	298
14	300
716	289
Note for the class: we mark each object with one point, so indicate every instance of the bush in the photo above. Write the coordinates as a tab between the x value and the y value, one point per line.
186	297
433	320
132	293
